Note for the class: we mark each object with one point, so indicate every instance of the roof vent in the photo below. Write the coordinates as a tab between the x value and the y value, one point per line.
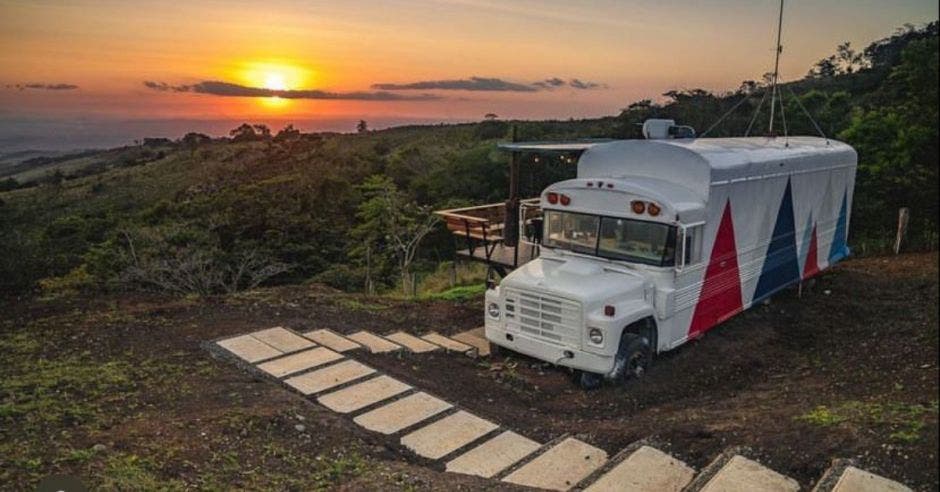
657	129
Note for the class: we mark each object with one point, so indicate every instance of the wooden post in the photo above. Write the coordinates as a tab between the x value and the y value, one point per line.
511	217
904	215
453	274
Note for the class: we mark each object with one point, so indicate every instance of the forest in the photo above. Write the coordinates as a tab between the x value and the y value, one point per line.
202	215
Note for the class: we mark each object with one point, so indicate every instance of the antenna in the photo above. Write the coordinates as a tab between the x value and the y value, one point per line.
773	94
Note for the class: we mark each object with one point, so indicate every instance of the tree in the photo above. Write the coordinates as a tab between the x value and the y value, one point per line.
287	133
263	131
362	126
391	225
9	184
490	116
193	141
244	133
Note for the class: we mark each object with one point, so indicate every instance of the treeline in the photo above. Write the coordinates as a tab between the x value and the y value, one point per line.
209	215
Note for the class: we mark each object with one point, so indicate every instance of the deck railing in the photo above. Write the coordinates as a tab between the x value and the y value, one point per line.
483	226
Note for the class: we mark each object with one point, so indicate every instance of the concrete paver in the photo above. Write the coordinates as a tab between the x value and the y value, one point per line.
412	342
332	340
374	343
282	339
744	475
363	394
493	456
475	339
449	344
856	480
299	361
646	470
447	435
402	413
248	348
329	377
561	467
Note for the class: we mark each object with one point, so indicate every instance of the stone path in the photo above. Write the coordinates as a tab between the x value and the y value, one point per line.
332	340
448	434
645	470
493	456
375	343
329	377
300	361
741	474
316	366
561	467
402	413
412	342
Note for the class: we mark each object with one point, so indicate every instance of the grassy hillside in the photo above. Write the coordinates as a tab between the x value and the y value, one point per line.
205	215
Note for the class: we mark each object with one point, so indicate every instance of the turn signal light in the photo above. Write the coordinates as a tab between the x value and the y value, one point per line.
565	200
609	311
654	209
638	207
553	198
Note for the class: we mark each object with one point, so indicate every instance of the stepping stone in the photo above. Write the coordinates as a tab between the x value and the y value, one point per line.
402	413
449	344
447	435
307	359
374	343
743	475
475	339
282	339
857	480
329	377
561	467
332	340
363	394
412	342
493	456
249	348
645	470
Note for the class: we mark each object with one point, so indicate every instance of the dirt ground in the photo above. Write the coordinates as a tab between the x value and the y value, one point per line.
118	390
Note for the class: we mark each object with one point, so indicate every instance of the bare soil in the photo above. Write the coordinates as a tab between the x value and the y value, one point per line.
847	370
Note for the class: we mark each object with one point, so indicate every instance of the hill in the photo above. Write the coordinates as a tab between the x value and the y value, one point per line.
204	215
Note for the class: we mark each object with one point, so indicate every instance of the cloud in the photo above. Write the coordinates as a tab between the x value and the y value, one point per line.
228	89
46	87
470	84
579	84
490	84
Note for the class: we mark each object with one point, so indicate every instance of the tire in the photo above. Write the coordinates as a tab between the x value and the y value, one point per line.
636	354
589	381
496	350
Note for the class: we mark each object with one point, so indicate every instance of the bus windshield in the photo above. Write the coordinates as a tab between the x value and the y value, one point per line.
614	238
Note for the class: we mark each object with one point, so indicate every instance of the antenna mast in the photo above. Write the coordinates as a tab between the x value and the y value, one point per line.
773	93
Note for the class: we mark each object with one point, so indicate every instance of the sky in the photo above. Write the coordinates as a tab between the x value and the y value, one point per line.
75	71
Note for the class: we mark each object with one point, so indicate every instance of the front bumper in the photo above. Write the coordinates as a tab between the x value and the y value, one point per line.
556	354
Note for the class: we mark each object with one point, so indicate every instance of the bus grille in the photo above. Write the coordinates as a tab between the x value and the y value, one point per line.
546	317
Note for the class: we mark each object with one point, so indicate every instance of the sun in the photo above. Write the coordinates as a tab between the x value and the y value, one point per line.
275	81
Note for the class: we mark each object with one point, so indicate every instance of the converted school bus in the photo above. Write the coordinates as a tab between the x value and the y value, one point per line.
657	241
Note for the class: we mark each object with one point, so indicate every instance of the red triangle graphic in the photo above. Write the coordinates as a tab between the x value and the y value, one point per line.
721	291
812	263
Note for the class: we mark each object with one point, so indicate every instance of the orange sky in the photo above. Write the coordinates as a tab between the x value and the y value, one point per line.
631	49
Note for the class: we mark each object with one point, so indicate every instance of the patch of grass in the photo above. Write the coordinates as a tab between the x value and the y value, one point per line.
131	472
904	422
356	304
458	294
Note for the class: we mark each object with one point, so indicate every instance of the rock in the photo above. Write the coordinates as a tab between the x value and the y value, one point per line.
300	427
98	448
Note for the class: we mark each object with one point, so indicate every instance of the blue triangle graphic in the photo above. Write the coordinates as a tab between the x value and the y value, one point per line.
781	266
839	249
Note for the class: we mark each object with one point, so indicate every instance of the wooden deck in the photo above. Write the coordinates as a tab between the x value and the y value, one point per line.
502	255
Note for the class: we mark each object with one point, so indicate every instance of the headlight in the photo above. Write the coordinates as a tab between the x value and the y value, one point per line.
493	310
596	336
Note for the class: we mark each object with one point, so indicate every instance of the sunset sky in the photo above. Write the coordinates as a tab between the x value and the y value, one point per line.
182	63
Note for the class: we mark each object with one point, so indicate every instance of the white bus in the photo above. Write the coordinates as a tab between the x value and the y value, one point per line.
657	241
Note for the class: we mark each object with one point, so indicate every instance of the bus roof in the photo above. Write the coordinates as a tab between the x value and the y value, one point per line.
699	163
